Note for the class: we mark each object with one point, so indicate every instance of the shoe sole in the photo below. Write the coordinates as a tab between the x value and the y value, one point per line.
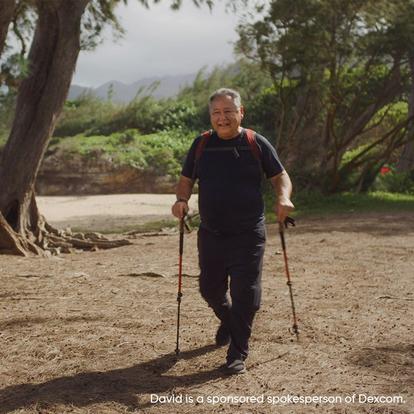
235	372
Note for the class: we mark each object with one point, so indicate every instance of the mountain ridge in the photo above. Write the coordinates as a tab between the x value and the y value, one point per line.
157	86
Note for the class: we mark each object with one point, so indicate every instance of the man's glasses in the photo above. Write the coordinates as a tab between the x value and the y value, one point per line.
227	113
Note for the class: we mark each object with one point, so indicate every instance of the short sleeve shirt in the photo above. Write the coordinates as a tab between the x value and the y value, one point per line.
230	181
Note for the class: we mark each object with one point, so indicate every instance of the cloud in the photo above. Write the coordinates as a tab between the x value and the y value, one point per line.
160	42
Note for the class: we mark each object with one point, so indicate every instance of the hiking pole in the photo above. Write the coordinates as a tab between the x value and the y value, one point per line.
287	221
180	275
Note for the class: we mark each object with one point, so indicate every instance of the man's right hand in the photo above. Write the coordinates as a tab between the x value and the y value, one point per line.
180	209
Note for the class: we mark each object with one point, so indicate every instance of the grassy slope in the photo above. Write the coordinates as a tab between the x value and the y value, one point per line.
316	204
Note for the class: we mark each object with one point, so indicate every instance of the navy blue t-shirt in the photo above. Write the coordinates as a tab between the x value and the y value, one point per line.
230	181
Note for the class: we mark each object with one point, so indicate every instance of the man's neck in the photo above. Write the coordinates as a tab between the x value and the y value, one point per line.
233	136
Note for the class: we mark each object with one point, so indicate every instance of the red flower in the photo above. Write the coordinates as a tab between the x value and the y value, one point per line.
385	170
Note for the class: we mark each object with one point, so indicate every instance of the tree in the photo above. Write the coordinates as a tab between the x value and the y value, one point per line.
52	59
336	66
404	36
406	160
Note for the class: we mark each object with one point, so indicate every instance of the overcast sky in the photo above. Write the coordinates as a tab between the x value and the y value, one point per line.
160	42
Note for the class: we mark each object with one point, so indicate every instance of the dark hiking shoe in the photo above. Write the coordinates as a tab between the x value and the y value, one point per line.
235	367
222	336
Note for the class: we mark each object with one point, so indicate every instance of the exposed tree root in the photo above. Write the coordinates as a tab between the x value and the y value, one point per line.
11	242
43	239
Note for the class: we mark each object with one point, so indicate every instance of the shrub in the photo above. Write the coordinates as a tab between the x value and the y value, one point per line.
161	153
83	114
395	182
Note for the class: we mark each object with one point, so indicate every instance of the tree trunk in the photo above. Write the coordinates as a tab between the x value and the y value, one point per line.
41	96
6	16
406	161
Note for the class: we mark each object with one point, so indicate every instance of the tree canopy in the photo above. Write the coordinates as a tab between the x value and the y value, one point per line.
340	69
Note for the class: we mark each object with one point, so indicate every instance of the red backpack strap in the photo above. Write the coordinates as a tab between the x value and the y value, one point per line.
251	139
199	149
202	143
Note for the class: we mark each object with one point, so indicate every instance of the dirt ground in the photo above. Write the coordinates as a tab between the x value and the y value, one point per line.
95	332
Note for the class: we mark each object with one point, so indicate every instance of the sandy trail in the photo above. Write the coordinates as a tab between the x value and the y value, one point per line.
108	212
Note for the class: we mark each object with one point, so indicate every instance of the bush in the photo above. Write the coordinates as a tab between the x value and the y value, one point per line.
395	182
160	153
146	115
180	114
83	114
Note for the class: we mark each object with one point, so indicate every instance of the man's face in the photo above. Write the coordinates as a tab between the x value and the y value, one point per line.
226	117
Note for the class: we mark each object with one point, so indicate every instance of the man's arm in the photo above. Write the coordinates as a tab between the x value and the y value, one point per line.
283	189
183	193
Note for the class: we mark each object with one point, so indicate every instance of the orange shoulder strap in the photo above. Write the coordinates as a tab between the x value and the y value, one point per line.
202	143
251	139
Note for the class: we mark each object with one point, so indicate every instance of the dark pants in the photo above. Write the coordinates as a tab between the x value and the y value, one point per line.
240	257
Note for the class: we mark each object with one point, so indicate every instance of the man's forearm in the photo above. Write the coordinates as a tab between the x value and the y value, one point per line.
282	185
184	188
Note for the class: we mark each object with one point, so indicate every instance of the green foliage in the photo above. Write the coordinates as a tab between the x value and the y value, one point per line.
160	153
82	115
13	69
179	114
98	15
142	113
260	113
245	77
339	73
393	113
92	116
149	134
188	112
395	182
138	134
360	166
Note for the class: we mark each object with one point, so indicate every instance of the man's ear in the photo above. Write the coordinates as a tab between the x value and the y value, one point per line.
242	110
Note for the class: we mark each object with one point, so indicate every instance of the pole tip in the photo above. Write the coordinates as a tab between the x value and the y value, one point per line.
296	331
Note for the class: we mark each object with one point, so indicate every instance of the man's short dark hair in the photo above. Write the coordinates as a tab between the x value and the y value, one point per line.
226	92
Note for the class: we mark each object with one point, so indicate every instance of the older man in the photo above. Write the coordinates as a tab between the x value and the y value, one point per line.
229	163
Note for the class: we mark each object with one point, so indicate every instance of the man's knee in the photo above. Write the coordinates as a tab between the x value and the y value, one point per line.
247	298
211	294
205	290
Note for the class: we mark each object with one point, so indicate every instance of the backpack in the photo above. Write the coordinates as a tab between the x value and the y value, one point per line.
251	140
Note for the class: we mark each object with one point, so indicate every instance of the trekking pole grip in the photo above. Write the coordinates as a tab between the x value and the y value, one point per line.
282	235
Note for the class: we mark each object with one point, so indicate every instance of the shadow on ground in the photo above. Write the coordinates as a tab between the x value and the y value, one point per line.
397	358
122	386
